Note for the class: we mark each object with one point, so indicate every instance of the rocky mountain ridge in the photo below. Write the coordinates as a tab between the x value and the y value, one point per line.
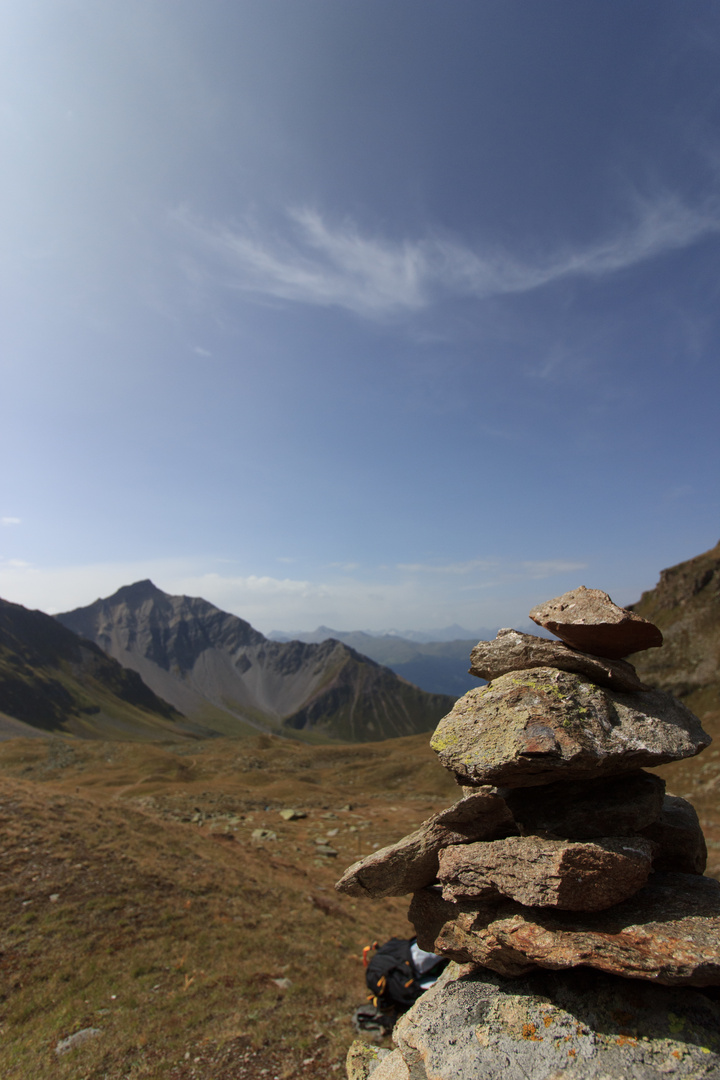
685	604
440	667
219	671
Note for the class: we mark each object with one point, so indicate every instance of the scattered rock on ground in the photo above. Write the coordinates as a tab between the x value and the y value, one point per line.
72	1041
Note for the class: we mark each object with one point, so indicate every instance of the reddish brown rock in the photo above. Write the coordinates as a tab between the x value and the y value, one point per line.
412	862
588	620
679	838
582	809
668	932
540	872
513	651
540	726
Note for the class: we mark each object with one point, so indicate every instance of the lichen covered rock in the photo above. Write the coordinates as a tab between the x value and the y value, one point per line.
538	726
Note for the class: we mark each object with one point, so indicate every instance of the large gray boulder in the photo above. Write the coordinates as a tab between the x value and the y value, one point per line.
668	932
570	875
587	619
412	862
513	651
539	726
578	1025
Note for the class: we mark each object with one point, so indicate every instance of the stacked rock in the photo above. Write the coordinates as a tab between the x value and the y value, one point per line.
563	851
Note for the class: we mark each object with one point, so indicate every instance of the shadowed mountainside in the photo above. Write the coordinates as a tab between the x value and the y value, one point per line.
54	680
215	668
685	604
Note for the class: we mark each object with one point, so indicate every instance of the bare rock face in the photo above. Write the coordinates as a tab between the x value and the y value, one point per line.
679	838
513	651
412	862
572	876
582	809
588	620
540	726
578	1025
668	932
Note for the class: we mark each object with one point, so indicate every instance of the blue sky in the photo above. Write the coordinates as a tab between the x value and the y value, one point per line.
384	313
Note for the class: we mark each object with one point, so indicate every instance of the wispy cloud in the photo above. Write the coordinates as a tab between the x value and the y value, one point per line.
10	521
337	265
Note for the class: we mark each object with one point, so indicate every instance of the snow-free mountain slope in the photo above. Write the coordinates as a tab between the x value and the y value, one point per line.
53	680
215	668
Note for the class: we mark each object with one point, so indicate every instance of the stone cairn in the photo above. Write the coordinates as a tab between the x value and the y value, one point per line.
562	853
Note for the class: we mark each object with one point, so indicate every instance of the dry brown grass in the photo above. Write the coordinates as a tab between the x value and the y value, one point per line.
121	912
169	924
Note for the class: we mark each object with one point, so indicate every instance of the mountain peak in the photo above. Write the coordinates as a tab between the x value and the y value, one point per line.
138	591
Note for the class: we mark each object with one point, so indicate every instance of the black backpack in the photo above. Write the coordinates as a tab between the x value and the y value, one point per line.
391	976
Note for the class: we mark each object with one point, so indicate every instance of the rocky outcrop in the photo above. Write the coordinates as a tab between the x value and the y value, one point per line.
685	604
596	868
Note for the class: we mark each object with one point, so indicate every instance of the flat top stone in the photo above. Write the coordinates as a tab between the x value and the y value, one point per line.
513	651
587	619
538	726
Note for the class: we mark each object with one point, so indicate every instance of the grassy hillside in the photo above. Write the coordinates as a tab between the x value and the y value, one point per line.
134	899
685	604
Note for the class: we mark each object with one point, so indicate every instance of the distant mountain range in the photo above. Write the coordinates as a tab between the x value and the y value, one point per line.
219	672
440	667
419	637
145	665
